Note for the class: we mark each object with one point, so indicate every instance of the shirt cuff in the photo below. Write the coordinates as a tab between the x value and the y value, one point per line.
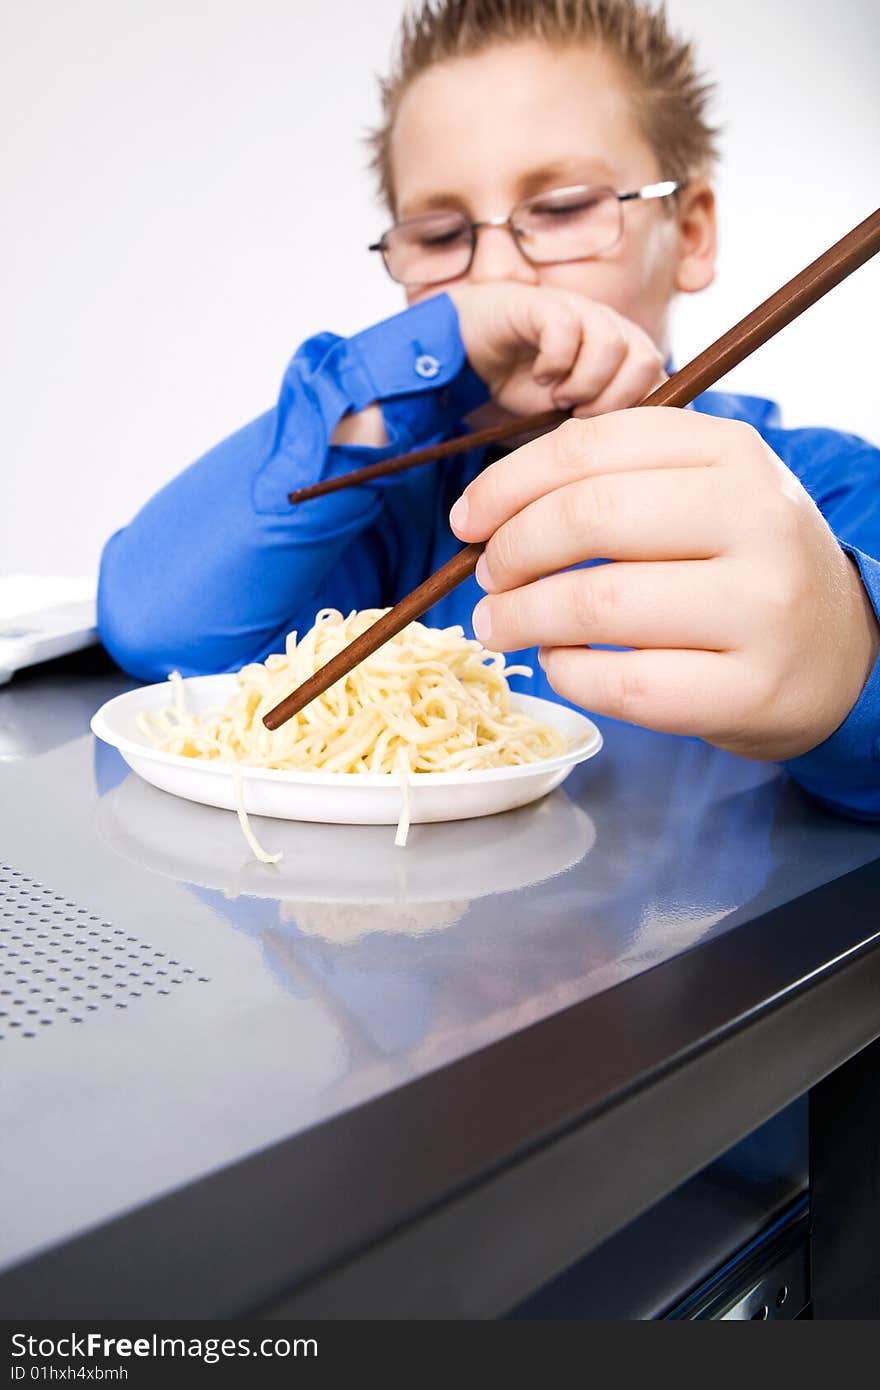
844	771
413	364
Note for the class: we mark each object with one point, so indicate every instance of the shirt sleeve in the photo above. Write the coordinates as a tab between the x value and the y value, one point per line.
218	566
844	771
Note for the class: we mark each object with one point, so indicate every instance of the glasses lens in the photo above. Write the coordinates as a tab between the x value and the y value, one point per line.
427	250
568	224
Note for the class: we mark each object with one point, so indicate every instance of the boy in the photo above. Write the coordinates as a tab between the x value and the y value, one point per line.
546	167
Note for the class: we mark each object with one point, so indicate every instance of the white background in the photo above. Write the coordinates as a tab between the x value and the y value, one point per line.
185	199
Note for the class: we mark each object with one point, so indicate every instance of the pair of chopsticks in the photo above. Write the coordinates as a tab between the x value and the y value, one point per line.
808	286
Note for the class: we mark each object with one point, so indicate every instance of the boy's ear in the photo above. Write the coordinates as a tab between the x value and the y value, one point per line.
697	237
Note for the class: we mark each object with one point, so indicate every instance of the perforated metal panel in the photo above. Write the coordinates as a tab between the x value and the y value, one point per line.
61	964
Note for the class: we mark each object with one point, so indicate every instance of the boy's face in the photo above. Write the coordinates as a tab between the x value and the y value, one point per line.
480	133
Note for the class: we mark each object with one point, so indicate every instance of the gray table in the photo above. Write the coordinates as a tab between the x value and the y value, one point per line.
382	1082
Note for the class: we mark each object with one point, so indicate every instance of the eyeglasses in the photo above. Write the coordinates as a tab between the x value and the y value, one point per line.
565	224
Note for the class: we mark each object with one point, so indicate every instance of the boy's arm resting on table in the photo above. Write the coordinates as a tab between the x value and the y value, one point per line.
217	566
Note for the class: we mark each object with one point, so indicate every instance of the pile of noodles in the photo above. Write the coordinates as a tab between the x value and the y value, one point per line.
429	700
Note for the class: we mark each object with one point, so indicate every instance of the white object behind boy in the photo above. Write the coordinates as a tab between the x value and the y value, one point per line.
43	616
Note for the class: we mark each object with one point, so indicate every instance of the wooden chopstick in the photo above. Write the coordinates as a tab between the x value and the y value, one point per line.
809	285
521	425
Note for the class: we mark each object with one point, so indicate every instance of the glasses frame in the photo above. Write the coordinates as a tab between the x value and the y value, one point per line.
648	191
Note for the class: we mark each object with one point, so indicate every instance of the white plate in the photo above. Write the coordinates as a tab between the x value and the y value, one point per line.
342	798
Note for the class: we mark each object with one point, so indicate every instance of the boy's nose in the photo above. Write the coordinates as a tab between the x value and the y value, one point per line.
497	257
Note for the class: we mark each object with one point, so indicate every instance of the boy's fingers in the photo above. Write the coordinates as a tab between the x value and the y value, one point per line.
675	692
556	332
679	604
637	439
661	514
636	377
597	362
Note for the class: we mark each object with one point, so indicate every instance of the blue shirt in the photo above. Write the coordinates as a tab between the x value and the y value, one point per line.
218	567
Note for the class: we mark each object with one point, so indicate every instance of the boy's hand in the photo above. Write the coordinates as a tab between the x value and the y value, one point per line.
751	626
538	348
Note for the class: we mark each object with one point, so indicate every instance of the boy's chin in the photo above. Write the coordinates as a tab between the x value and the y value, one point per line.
485	417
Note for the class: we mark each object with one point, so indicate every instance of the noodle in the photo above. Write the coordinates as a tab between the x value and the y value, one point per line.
246	828
429	700
403	777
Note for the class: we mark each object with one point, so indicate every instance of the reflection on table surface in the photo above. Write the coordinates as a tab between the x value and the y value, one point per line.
356	869
653	847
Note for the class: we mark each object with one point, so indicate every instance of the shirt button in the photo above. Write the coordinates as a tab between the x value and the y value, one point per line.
427	366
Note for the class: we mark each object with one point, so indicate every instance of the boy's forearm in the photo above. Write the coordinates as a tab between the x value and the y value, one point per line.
202	581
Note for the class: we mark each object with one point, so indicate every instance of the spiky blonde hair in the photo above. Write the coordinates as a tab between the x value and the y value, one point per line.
669	94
